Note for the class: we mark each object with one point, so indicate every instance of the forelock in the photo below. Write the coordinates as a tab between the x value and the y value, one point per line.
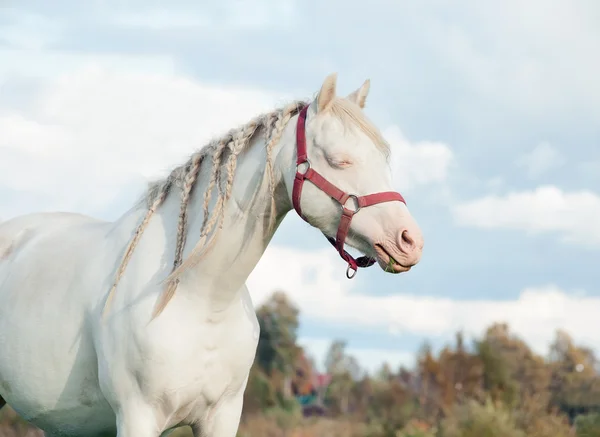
352	116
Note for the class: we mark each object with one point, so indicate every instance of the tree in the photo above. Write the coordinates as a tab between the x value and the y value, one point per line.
345	372
337	361
513	373
460	374
278	320
575	385
277	351
429	377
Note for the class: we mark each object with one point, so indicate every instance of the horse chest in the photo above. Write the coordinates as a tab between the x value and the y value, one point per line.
222	363
208	360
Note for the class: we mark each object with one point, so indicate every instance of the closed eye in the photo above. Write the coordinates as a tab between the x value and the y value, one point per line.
339	162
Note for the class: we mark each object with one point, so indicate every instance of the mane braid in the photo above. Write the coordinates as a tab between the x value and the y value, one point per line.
160	196
224	153
280	123
191	175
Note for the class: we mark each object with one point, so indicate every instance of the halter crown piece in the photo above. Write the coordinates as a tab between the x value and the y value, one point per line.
338	195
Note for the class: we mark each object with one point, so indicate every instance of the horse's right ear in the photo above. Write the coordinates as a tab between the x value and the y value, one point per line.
327	92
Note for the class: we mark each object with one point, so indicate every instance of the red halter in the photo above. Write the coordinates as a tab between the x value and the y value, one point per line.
336	194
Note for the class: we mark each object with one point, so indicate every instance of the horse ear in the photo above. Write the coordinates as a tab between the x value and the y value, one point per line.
360	95
327	92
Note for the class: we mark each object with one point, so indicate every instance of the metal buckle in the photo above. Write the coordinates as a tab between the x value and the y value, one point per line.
353	211
308	166
348	270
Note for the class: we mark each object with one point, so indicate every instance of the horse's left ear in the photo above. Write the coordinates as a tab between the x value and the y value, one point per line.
360	95
327	92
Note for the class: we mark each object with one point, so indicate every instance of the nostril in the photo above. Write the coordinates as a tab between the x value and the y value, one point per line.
407	239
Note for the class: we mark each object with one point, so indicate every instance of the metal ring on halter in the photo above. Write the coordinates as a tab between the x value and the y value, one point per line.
307	162
348	272
351	196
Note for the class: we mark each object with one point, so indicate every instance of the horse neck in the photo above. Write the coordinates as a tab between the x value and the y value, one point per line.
223	270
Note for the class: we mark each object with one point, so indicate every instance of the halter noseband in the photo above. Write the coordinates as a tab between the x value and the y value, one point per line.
335	193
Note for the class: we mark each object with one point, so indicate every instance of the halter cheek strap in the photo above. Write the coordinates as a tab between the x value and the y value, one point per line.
338	195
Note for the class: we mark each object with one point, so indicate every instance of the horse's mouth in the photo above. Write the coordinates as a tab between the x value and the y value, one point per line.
387	262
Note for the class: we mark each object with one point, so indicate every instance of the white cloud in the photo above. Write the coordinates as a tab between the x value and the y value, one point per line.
315	282
543	158
418	163
97	129
219	16
573	216
529	69
51	65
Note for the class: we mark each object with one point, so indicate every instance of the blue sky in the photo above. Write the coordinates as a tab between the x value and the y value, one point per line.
493	112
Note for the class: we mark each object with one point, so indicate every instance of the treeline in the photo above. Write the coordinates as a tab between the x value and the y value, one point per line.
494	386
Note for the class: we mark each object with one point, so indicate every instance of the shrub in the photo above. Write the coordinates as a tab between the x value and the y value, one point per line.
473	419
588	425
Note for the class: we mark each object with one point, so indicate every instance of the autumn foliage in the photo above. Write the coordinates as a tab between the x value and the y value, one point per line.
494	386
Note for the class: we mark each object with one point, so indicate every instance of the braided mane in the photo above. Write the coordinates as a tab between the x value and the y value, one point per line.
223	152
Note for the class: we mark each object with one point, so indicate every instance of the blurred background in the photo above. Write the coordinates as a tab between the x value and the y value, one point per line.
493	114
